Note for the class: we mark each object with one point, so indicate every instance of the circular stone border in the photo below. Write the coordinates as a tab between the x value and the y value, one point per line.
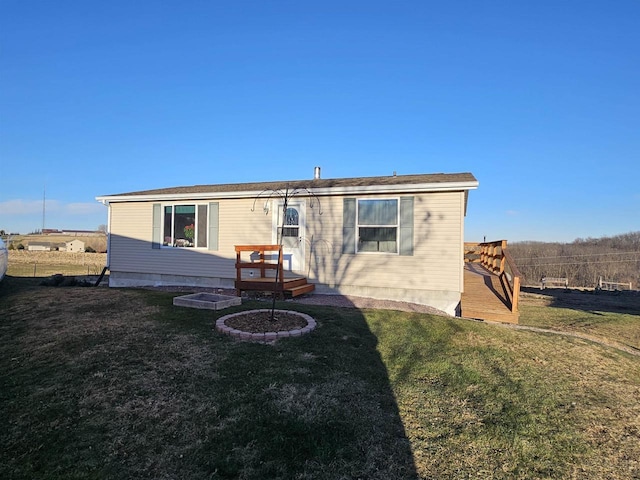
222	327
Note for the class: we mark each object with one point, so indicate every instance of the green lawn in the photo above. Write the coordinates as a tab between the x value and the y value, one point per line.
613	316
112	383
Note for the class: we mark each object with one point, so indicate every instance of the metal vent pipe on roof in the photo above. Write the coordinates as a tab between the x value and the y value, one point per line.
316	173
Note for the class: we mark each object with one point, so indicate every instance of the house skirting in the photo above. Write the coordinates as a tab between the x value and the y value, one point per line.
134	279
447	301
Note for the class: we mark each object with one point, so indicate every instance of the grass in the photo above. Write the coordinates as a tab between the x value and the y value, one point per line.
620	327
110	383
609	315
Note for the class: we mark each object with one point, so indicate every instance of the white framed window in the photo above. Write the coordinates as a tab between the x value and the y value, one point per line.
184	225
377	225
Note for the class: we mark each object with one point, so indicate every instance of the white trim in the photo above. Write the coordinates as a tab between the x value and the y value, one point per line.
327	191
108	265
463	213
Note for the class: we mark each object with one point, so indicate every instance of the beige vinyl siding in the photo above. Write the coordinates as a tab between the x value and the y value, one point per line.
131	235
241	226
436	263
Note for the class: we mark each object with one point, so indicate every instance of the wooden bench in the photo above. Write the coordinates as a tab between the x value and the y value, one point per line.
554	282
612	286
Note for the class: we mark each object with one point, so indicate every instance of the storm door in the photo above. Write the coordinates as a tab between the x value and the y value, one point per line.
291	232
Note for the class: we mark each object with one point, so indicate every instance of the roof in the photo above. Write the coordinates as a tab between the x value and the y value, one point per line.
394	183
44	244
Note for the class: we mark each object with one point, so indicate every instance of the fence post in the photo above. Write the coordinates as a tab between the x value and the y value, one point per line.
35	264
516	294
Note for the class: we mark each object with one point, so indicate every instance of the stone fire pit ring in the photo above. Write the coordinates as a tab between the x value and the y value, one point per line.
267	337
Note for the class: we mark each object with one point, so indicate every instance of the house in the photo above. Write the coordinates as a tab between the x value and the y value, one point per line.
4	259
42	246
396	237
74	245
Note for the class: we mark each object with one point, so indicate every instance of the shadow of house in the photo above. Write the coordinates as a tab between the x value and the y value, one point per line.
589	300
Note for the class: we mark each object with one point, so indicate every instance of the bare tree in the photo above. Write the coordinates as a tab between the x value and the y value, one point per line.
582	261
286	195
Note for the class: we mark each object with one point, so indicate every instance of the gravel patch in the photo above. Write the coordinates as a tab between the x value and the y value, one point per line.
348	301
343	301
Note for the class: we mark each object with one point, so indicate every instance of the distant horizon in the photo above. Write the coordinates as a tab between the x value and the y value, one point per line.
7	234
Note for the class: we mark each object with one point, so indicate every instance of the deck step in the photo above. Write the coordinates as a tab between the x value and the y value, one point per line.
300	290
293	283
293	286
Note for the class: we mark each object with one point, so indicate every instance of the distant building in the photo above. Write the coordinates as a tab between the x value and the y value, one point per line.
82	233
74	245
42	246
75	233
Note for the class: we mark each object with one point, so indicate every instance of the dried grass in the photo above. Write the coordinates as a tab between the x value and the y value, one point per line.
111	383
23	263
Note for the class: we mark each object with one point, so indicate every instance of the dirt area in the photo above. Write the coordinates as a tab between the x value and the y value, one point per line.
260	322
344	301
348	301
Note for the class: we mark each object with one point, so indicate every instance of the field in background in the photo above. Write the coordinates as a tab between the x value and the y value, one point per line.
97	242
23	263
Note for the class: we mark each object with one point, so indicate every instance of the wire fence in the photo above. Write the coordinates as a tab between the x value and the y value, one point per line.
44	264
47	269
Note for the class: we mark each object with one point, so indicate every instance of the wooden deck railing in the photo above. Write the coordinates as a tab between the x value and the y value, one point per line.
260	263
495	257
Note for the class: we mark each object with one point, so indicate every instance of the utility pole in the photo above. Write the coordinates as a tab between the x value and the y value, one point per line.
44	202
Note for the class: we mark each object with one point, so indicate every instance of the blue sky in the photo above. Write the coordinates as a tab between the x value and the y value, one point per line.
540	100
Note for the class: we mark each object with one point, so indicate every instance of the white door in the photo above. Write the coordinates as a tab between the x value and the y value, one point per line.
291	231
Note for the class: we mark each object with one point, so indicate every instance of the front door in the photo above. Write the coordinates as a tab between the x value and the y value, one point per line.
291	232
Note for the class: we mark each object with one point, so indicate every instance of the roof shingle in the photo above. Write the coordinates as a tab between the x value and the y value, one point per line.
433	178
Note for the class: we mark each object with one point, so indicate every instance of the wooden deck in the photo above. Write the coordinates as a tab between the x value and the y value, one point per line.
484	296
258	267
291	286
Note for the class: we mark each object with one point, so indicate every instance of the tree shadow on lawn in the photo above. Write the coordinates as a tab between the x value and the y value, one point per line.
119	383
317	406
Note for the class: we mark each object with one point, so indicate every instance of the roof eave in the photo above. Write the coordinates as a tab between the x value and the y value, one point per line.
327	191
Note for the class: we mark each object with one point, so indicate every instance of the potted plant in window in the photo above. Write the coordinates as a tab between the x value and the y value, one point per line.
188	233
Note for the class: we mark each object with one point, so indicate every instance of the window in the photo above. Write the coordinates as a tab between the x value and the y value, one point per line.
377	225
184	226
351	227
291	226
